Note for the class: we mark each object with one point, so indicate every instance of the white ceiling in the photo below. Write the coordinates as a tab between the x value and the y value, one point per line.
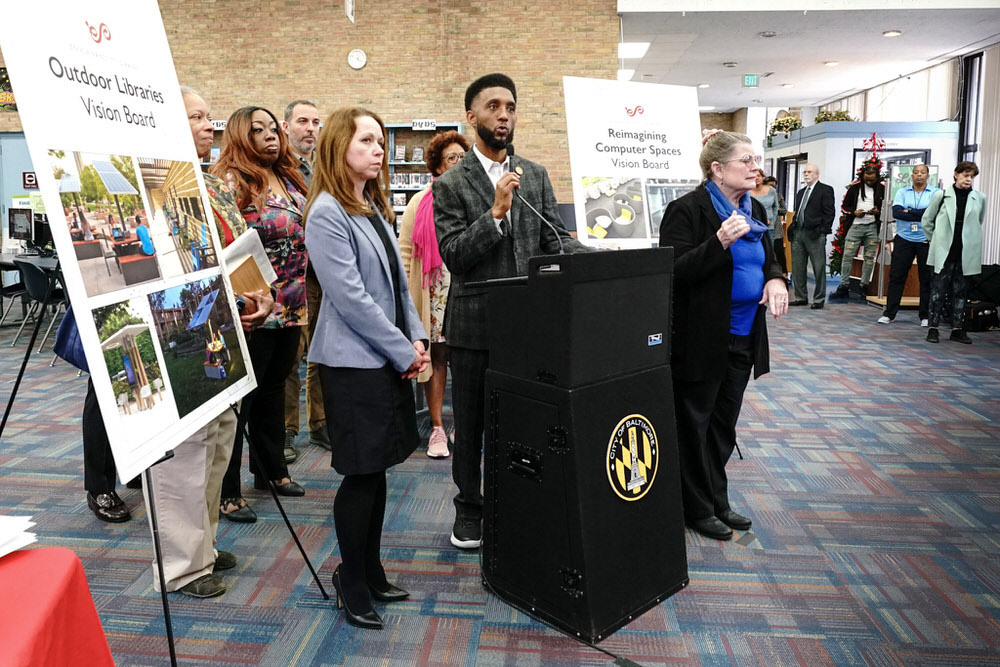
688	48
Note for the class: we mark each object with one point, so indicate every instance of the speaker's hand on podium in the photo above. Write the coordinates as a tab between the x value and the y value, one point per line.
420	361
776	296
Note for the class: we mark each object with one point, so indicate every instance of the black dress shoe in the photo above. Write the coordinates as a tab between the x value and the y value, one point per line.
734	520
799	302
816	305
108	507
711	527
290	488
369	620
388	594
932	335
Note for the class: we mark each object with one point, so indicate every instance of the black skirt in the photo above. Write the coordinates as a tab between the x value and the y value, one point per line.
371	417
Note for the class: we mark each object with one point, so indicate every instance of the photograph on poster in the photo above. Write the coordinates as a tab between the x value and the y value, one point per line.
615	208
130	357
107	220
174	202
201	348
659	193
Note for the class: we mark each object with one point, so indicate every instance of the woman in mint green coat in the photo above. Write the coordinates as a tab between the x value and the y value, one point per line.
953	225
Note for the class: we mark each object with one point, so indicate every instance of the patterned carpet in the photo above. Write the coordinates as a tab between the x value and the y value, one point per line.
872	473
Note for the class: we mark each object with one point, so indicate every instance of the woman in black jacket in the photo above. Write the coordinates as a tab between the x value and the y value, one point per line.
725	277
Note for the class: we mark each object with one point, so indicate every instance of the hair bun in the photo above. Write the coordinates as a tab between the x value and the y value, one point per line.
708	134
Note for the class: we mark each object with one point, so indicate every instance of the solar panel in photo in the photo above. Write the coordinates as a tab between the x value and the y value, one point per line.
204	310
113	179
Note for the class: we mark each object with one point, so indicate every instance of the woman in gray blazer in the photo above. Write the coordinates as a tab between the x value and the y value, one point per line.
368	342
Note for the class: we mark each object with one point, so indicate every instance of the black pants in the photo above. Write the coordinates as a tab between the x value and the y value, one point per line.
358	513
707	412
949	289
468	389
98	464
903	254
272	352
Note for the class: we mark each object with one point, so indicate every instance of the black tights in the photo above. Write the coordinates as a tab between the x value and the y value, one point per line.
358	512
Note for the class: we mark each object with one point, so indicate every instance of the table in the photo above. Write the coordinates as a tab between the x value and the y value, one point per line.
47	616
7	261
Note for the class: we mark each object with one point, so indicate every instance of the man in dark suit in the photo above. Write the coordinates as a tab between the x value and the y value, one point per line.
485	232
814	212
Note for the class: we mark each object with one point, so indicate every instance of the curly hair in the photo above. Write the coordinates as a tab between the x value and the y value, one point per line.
439	142
241	159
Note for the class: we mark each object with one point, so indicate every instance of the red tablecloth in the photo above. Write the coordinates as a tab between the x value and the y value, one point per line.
47	616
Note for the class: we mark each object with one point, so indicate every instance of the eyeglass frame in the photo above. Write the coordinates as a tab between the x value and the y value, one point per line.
758	160
453	158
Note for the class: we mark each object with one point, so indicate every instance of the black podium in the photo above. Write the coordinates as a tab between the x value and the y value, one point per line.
583	525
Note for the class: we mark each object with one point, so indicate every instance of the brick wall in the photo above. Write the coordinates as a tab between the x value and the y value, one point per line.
421	56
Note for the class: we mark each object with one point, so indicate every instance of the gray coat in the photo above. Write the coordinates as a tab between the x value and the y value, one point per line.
355	327
470	244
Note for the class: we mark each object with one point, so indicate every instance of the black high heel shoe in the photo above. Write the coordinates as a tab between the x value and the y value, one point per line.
370	620
390	594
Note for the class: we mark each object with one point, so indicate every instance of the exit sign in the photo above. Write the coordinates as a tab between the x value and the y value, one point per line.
750	80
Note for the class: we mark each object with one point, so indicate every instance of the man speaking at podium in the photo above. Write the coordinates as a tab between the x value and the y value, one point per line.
484	233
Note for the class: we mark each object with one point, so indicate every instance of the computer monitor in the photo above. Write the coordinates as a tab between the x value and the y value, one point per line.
19	220
41	233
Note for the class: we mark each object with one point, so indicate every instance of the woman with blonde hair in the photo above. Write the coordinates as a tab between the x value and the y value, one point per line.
369	343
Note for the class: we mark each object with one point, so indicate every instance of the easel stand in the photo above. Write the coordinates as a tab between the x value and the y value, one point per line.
27	355
148	481
277	502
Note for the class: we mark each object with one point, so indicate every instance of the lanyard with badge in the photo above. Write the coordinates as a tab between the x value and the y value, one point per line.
915	224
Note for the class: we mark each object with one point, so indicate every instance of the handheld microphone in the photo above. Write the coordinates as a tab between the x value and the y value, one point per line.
517	191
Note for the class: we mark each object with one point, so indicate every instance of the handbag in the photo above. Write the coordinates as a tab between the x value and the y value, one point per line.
68	345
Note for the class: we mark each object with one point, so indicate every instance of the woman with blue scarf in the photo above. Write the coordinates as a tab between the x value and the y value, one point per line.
726	277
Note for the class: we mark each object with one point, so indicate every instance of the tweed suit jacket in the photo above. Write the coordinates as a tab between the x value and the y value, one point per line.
471	246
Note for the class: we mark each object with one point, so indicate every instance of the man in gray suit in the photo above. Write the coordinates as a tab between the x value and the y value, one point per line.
484	232
814	212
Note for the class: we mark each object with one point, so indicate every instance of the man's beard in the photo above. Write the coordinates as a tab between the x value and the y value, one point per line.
303	148
491	141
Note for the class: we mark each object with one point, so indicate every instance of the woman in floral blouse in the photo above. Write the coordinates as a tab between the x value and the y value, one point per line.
259	167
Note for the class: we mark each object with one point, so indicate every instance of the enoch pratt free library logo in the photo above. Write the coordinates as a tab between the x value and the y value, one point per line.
100	32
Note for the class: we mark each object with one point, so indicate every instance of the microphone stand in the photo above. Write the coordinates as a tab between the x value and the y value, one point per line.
542	218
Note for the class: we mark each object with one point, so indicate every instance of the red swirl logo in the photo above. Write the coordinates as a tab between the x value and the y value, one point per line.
634	111
100	32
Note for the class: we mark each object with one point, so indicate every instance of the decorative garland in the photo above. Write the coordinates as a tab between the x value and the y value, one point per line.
873	144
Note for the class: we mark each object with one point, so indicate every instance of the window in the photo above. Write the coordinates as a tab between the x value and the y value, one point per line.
971	125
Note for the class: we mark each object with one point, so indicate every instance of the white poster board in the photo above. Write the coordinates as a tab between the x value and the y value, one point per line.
633	148
108	135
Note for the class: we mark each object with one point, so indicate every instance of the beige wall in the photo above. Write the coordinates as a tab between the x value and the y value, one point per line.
421	56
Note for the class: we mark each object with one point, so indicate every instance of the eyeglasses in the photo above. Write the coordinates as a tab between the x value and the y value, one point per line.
453	158
748	160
